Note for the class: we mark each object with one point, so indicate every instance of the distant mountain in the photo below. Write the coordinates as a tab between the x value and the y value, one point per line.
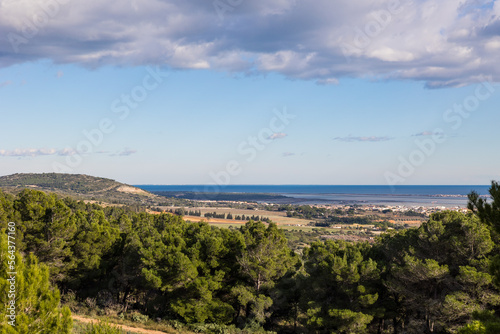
78	186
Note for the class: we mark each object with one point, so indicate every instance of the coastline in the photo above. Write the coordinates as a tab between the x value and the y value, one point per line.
404	196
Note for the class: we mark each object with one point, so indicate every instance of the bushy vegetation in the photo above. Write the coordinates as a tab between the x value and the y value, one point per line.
361	220
441	277
101	327
78	183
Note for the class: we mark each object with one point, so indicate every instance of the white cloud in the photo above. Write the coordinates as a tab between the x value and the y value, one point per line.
328	81
32	152
127	152
363	139
391	55
278	135
427	133
36	152
123	153
66	151
440	42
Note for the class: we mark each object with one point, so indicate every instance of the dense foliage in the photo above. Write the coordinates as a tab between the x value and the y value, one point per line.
439	278
28	302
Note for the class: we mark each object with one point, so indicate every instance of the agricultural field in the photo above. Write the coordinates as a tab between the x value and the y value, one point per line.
278	217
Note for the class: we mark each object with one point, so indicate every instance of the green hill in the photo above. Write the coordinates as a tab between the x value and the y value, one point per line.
78	186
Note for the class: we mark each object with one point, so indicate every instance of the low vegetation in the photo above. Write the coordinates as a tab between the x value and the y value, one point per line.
83	187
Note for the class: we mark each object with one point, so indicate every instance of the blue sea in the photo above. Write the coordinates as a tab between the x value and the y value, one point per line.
435	195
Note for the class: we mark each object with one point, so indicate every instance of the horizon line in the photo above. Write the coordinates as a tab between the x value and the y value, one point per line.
323	185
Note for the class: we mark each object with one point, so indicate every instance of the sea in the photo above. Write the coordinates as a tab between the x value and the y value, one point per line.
410	196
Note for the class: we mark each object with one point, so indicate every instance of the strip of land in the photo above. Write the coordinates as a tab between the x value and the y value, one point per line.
124	328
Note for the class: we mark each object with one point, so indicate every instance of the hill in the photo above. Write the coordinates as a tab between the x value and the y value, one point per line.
78	186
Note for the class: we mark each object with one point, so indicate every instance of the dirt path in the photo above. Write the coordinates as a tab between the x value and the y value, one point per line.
122	327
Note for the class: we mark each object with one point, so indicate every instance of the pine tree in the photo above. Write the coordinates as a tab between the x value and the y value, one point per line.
94	238
342	280
265	259
48	229
37	302
487	211
6	209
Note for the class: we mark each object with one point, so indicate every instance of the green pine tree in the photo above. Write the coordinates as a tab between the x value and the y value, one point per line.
37	302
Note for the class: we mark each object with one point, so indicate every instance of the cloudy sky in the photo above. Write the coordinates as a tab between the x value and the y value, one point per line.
252	92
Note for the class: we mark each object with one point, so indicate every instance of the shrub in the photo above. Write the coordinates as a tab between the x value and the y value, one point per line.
102	328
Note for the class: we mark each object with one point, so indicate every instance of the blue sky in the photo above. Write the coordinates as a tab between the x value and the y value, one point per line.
186	94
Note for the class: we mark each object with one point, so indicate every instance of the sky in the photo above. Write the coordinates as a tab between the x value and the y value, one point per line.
252	92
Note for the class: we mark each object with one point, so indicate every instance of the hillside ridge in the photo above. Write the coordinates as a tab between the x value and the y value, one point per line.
79	186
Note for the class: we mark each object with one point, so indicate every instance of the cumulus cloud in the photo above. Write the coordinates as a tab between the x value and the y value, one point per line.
278	135
440	42
363	139
329	81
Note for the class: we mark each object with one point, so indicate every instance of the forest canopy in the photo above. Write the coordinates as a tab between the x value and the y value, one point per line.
442	277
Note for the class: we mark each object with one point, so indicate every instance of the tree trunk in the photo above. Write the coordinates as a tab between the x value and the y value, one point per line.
429	324
125	300
380	326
